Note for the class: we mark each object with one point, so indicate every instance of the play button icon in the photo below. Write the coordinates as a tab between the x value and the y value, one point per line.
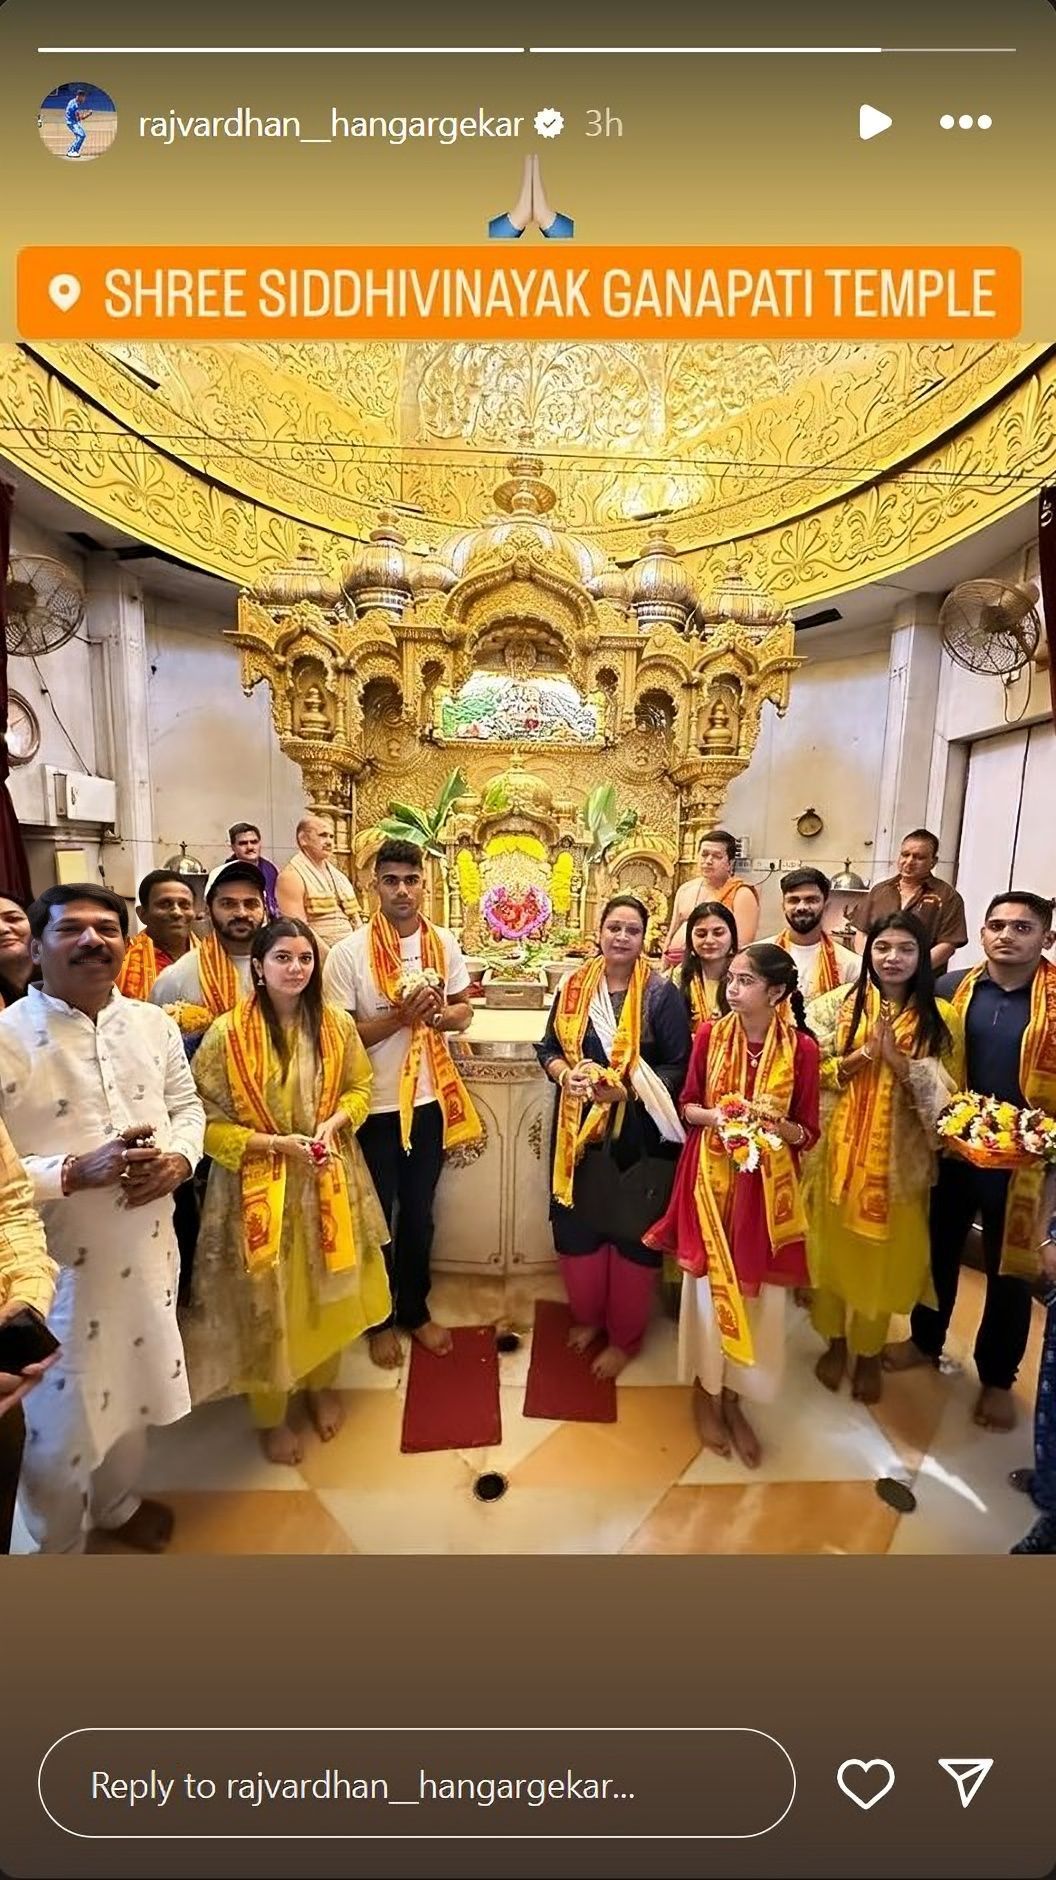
871	121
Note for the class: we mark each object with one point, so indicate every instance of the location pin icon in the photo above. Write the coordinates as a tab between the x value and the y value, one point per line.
65	291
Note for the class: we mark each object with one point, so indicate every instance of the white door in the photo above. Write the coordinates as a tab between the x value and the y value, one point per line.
1008	835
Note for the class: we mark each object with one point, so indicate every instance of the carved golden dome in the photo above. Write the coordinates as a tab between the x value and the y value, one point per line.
306	578
526	792
612	584
379	573
431	575
660	589
735	599
524	500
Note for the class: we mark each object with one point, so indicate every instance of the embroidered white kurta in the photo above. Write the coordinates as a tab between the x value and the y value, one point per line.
66	1087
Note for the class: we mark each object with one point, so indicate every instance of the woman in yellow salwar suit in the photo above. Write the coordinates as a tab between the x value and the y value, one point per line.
289	1268
891	1056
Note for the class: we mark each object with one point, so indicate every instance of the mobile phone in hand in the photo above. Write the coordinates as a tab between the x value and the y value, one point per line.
25	1339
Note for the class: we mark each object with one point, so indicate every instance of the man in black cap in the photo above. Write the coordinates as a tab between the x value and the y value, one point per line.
208	980
212	978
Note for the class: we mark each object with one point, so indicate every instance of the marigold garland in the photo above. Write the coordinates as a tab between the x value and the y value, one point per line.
517	845
470	884
561	883
991	1133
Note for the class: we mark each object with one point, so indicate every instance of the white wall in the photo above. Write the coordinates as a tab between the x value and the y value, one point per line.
824	754
215	758
57	686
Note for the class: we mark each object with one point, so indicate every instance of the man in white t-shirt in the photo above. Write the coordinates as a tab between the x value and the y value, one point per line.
822	964
404	1174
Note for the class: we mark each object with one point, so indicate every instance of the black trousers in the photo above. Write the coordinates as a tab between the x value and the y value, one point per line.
406	1183
186	1218
12	1437
960	1195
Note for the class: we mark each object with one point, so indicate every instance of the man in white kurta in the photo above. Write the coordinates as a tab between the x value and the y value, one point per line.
86	1076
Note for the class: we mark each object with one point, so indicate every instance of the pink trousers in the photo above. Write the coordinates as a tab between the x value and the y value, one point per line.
608	1290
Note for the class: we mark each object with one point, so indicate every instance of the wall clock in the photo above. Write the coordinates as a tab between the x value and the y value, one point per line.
23	731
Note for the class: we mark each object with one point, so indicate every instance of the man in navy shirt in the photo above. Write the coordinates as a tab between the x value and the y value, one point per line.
1001	1002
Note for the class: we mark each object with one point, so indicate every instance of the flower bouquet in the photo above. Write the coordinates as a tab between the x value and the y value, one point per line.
743	1134
991	1133
412	982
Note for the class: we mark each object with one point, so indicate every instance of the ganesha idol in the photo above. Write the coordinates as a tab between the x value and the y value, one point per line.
516	913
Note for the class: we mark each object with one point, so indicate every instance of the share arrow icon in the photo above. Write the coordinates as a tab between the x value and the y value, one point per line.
969	1773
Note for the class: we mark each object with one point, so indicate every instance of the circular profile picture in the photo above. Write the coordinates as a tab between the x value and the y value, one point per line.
77	121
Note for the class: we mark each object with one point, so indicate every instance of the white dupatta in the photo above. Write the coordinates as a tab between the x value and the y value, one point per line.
652	1091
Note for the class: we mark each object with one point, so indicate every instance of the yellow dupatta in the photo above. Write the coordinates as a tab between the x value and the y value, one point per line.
829	975
703	996
713	1189
461	1122
1037	1080
574	1130
860	1134
139	968
250	1060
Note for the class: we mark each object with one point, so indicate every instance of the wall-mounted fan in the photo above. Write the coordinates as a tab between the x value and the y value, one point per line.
45	605
991	626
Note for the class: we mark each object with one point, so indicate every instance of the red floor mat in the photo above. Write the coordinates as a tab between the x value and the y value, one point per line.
453	1401
560	1382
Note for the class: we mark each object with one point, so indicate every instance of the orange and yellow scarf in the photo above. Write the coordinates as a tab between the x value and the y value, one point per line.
250	1060
140	968
829	975
703	996
714	1187
574	1130
461	1122
1037	1080
860	1134
221	990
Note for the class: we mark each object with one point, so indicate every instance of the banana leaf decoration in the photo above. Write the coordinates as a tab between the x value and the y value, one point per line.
409	823
605	825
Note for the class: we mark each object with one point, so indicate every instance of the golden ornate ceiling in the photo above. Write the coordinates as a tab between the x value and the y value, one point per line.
827	465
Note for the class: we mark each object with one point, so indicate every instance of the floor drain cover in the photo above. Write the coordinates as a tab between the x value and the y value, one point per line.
490	1487
508	1341
896	1494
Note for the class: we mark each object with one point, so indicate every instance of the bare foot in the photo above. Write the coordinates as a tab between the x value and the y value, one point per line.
831	1367
434	1337
326	1411
385	1350
149	1530
868	1385
905	1356
995	1409
610	1362
581	1337
745	1440
282	1445
711	1427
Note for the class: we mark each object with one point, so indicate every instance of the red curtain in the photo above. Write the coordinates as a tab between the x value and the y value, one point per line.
14	869
1047	552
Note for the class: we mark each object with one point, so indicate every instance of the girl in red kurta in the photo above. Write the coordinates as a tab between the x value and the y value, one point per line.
740	1237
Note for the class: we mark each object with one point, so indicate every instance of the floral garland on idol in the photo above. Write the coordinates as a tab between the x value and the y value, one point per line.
516	913
742	1131
991	1133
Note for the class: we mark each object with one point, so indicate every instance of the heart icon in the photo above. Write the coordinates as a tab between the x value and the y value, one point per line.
65	291
866	1782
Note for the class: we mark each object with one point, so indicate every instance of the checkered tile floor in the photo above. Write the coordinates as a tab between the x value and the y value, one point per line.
638	1486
